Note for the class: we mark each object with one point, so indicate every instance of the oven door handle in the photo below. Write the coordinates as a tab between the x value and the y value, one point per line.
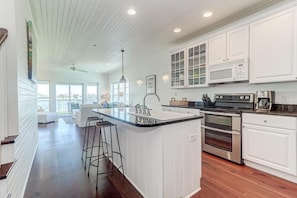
221	113
221	130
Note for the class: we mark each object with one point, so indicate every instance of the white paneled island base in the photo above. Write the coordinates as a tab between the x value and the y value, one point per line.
162	161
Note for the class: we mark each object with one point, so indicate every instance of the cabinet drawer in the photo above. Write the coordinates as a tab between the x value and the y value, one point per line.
172	109
283	122
190	111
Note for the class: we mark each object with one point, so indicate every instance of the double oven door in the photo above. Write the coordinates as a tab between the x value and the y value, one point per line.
221	135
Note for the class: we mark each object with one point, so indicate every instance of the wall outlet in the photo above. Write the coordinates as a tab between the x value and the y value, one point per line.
285	99
193	137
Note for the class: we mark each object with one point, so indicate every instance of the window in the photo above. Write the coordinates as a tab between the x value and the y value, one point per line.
120	93
43	95
68	97
92	93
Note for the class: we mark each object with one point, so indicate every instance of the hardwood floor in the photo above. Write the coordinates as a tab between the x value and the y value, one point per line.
224	179
58	171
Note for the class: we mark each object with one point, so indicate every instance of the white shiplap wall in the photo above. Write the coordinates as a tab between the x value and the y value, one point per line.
3	92
21	103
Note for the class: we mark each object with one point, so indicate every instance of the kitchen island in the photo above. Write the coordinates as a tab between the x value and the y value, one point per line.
161	152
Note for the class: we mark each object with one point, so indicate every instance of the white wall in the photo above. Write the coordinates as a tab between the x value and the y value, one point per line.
7	11
158	62
67	77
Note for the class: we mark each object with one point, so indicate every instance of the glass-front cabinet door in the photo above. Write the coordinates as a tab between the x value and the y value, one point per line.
189	67
178	69
197	65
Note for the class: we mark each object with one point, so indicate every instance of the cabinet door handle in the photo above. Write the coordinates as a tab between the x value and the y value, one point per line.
265	120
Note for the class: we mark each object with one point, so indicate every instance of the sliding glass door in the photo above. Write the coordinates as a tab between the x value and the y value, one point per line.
92	93
68	97
43	95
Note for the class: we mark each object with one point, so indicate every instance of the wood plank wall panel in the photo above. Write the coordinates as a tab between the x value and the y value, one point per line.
142	166
3	92
26	143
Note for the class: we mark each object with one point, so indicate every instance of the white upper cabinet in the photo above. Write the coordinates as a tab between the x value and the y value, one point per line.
229	46
189	67
273	48
217	49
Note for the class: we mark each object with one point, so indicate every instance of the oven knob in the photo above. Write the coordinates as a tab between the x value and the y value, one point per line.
217	97
241	97
247	97
221	97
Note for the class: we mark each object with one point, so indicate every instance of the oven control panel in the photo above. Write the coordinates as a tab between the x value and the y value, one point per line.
234	98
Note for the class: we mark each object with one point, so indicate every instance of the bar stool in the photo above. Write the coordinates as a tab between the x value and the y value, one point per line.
105	154
86	146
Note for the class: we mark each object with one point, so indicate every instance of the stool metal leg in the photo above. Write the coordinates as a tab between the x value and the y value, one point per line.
84	142
120	153
111	147
98	158
106	153
87	147
92	148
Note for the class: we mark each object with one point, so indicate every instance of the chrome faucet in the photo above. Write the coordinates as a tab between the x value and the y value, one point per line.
150	94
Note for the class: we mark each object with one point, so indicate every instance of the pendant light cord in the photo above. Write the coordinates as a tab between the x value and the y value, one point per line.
122	62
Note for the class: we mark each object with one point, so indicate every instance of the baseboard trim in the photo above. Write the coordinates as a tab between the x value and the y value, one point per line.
28	174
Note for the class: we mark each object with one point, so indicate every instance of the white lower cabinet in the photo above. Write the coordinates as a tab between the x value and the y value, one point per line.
270	141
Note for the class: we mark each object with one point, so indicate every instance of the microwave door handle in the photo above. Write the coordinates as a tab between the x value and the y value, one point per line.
221	130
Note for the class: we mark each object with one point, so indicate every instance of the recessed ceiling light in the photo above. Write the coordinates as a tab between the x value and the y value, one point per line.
131	11
177	30
207	14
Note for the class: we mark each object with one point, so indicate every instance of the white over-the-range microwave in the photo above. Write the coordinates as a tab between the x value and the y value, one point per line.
232	71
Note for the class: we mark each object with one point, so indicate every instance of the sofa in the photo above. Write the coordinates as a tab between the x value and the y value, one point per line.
85	111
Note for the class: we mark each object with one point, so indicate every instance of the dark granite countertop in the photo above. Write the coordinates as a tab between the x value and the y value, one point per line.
124	115
278	109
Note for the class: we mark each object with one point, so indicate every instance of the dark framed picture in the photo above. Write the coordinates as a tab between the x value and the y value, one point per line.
151	84
31	63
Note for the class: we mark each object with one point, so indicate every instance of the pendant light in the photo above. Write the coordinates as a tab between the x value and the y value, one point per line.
123	80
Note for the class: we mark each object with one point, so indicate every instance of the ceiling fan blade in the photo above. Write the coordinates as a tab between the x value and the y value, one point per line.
81	70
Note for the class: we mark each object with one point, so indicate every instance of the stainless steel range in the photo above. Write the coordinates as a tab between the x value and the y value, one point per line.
221	125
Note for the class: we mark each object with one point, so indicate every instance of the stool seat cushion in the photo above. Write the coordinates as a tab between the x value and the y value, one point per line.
47	117
104	124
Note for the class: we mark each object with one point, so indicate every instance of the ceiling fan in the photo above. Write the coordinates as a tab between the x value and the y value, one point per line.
73	68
